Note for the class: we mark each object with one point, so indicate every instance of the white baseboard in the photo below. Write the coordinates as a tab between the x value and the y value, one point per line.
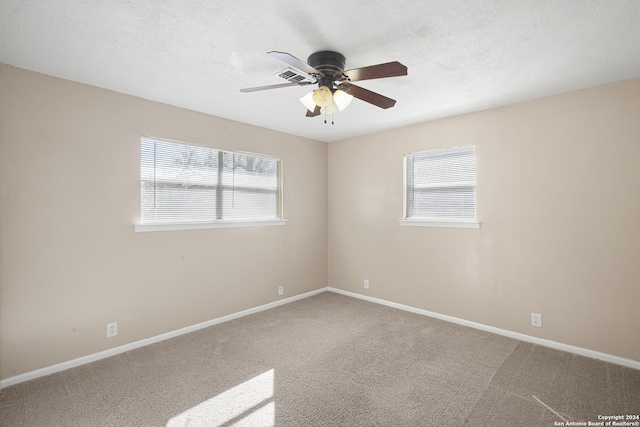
137	344
516	335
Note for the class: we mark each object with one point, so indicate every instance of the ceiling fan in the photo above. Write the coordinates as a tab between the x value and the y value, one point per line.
335	90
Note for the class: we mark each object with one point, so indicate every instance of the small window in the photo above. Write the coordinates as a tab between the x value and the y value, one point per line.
189	184
440	188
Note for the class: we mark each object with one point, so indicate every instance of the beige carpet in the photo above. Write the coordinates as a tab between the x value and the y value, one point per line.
329	360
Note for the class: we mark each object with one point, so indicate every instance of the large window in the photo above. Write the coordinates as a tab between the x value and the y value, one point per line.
440	188
193	185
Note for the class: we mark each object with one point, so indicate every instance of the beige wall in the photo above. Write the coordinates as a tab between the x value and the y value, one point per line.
69	258
558	198
558	194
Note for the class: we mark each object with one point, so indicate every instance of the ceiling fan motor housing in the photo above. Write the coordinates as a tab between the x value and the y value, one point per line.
330	63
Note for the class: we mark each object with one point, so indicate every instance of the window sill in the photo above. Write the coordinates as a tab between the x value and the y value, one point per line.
434	223
202	225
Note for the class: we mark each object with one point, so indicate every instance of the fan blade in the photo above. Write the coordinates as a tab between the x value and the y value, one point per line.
368	96
315	112
295	62
389	69
255	89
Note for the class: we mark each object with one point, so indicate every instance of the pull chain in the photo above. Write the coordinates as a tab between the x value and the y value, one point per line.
325	116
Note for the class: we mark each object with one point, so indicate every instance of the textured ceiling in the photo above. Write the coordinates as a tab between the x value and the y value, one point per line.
462	56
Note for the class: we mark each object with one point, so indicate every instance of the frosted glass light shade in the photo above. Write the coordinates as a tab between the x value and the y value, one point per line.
308	102
322	96
342	99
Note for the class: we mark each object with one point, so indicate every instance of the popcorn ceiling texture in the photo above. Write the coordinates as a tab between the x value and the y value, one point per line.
462	56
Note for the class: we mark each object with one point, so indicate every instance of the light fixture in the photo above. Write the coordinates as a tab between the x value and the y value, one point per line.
307	100
342	99
328	102
322	96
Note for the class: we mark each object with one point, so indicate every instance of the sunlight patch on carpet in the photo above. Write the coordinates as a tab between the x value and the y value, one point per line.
247	404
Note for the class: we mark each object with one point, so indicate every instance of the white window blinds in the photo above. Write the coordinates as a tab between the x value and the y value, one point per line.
183	183
441	184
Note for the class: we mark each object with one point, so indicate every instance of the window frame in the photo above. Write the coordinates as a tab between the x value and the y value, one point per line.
435	222
218	223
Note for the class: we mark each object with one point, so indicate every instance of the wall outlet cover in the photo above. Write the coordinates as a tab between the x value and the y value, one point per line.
536	320
112	329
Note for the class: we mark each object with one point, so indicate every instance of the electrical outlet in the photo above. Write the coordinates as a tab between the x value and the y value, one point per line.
366	284
536	320
112	329
280	290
